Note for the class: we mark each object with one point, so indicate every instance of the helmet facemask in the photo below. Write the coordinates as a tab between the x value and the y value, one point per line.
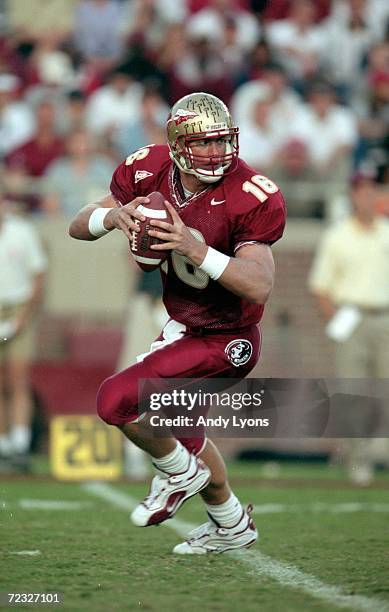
208	168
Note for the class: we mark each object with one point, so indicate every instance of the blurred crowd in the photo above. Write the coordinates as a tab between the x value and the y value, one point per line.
85	82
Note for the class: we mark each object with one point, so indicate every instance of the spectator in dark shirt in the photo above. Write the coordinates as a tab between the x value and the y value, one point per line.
34	156
28	162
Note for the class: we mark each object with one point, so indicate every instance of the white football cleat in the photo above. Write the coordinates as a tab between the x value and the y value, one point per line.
168	494
212	538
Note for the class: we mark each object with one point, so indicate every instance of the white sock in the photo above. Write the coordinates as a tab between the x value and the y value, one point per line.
20	438
227	514
175	462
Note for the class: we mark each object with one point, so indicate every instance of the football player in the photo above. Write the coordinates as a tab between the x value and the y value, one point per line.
217	277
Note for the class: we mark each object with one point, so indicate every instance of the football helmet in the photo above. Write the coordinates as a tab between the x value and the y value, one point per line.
199	117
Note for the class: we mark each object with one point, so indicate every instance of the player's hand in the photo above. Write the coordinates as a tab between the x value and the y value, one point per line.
124	218
177	237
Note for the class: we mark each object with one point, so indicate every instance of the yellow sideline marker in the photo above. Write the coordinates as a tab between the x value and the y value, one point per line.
83	448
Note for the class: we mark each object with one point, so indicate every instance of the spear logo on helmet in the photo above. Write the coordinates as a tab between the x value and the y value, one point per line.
183	115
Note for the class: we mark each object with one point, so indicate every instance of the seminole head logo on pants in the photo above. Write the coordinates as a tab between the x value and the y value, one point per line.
239	351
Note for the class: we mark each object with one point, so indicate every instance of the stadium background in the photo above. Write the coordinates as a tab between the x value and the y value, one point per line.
64	54
67	57
69	62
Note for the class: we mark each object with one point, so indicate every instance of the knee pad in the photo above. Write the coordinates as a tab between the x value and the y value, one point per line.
113	405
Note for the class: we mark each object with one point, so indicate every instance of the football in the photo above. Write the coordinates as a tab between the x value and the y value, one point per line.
140	242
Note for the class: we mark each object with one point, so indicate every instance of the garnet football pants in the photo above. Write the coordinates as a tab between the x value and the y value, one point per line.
178	353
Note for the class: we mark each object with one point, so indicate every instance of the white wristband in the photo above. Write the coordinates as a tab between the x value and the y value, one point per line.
214	263
96	222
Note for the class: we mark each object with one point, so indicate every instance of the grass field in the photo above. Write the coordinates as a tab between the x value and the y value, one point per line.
323	546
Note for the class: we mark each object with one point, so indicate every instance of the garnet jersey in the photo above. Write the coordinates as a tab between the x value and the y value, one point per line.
242	207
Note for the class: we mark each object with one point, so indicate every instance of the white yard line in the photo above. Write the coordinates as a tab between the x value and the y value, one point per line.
126	502
321	507
52	504
27	553
261	565
289	576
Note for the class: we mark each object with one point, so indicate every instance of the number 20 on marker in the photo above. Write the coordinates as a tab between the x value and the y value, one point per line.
82	447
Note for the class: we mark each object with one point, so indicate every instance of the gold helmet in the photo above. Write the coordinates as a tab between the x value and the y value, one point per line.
201	116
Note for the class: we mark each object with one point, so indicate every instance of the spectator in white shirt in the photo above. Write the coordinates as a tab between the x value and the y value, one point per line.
22	272
210	23
329	131
16	119
374	13
261	137
298	41
53	66
114	104
349	35
285	101
149	126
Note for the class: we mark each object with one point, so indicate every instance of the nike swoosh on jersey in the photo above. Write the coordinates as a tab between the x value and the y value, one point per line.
216	202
